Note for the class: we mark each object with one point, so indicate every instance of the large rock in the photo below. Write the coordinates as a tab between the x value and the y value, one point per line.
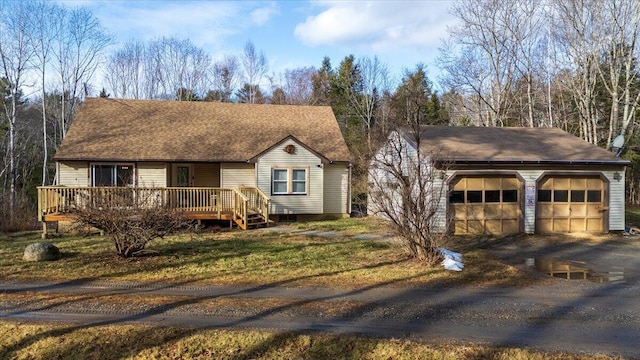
42	251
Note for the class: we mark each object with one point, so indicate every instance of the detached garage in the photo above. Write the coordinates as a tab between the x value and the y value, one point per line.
510	180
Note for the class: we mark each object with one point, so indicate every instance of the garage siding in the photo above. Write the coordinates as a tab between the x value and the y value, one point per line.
530	180
616	200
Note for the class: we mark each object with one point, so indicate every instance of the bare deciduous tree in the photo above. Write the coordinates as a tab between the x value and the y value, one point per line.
126	73
407	190
294	85
78	51
255	67
43	35
225	77
479	60
16	52
374	81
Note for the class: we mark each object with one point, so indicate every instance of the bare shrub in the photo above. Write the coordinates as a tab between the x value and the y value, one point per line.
408	190
129	220
23	217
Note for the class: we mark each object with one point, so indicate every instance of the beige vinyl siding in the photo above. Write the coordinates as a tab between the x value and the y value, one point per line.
336	189
310	203
206	175
233	175
616	200
73	173
151	174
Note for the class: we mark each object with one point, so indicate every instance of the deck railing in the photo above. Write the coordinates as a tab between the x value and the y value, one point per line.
63	199
258	201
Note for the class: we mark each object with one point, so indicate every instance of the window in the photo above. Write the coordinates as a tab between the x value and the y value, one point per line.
594	196
456	197
561	195
577	195
544	195
492	196
289	181
509	196
112	175
299	181
474	196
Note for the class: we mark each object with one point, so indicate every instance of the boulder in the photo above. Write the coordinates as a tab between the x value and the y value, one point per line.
41	251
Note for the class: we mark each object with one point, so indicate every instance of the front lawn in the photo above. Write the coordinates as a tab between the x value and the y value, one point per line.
251	258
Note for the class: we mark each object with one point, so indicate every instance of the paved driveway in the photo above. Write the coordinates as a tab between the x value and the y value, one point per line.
611	254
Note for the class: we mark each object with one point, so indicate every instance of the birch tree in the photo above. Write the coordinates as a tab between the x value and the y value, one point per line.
16	52
619	56
126	75
44	32
78	53
374	81
255	67
478	60
174	64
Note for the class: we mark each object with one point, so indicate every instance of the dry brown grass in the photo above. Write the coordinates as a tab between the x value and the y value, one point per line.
49	341
253	258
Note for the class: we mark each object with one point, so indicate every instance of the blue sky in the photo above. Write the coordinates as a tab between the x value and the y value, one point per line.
291	33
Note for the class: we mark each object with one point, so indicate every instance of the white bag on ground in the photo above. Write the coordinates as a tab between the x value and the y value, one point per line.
452	260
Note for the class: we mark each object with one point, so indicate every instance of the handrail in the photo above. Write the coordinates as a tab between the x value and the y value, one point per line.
63	199
259	201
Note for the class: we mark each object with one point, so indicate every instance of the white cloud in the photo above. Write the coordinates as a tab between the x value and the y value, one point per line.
377	25
261	15
206	24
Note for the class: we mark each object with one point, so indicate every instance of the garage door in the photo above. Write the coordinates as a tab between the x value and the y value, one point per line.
570	204
485	204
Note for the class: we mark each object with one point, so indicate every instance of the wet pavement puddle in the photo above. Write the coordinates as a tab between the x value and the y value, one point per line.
575	270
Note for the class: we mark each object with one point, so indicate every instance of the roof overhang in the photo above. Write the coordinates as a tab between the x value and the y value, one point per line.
322	158
620	162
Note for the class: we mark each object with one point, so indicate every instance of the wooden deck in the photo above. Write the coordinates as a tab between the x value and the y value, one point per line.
246	206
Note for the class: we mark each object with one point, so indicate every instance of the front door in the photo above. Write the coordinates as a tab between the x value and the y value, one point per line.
183	176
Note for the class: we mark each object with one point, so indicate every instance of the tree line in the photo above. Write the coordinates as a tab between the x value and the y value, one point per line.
570	64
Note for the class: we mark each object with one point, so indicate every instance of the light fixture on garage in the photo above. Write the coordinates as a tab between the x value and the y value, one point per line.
617	176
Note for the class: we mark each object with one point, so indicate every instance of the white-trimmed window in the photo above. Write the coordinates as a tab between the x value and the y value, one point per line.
112	175
285	181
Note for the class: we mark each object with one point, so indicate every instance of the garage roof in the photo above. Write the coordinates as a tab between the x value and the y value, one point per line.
509	145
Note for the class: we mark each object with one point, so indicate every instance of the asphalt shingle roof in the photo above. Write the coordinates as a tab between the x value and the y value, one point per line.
509	144
152	130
